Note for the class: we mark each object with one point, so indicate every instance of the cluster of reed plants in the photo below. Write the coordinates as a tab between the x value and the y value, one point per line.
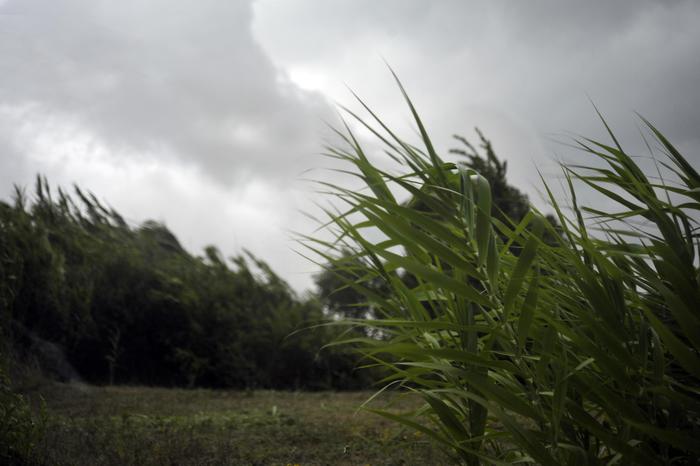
530	342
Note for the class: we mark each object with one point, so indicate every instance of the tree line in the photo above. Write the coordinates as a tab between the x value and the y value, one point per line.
130	305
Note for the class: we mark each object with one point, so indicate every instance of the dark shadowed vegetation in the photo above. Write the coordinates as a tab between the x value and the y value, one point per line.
90	297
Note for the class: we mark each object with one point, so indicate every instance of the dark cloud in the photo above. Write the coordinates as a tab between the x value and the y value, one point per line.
523	71
168	78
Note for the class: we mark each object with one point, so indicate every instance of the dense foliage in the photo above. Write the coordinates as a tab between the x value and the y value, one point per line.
20	428
96	298
531	342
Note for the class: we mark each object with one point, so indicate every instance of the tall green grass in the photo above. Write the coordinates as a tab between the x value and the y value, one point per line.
582	350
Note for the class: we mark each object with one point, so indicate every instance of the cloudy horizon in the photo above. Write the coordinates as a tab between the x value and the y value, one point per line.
208	115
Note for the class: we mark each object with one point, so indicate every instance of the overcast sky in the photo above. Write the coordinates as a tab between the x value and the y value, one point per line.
206	114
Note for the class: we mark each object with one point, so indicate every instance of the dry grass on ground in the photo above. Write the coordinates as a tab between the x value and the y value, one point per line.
152	426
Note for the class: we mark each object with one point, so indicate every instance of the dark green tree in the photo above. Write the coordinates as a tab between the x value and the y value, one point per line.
335	290
509	204
131	305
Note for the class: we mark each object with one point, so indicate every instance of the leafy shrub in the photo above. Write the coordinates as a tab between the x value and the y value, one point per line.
20	429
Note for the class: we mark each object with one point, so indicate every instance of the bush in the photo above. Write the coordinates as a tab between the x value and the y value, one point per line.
20	429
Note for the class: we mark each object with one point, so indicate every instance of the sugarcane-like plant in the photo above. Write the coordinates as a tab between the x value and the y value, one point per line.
532	343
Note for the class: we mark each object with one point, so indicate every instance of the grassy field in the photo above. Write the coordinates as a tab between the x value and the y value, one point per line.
90	425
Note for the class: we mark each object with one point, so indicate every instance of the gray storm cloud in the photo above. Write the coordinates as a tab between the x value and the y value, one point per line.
169	79
523	71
